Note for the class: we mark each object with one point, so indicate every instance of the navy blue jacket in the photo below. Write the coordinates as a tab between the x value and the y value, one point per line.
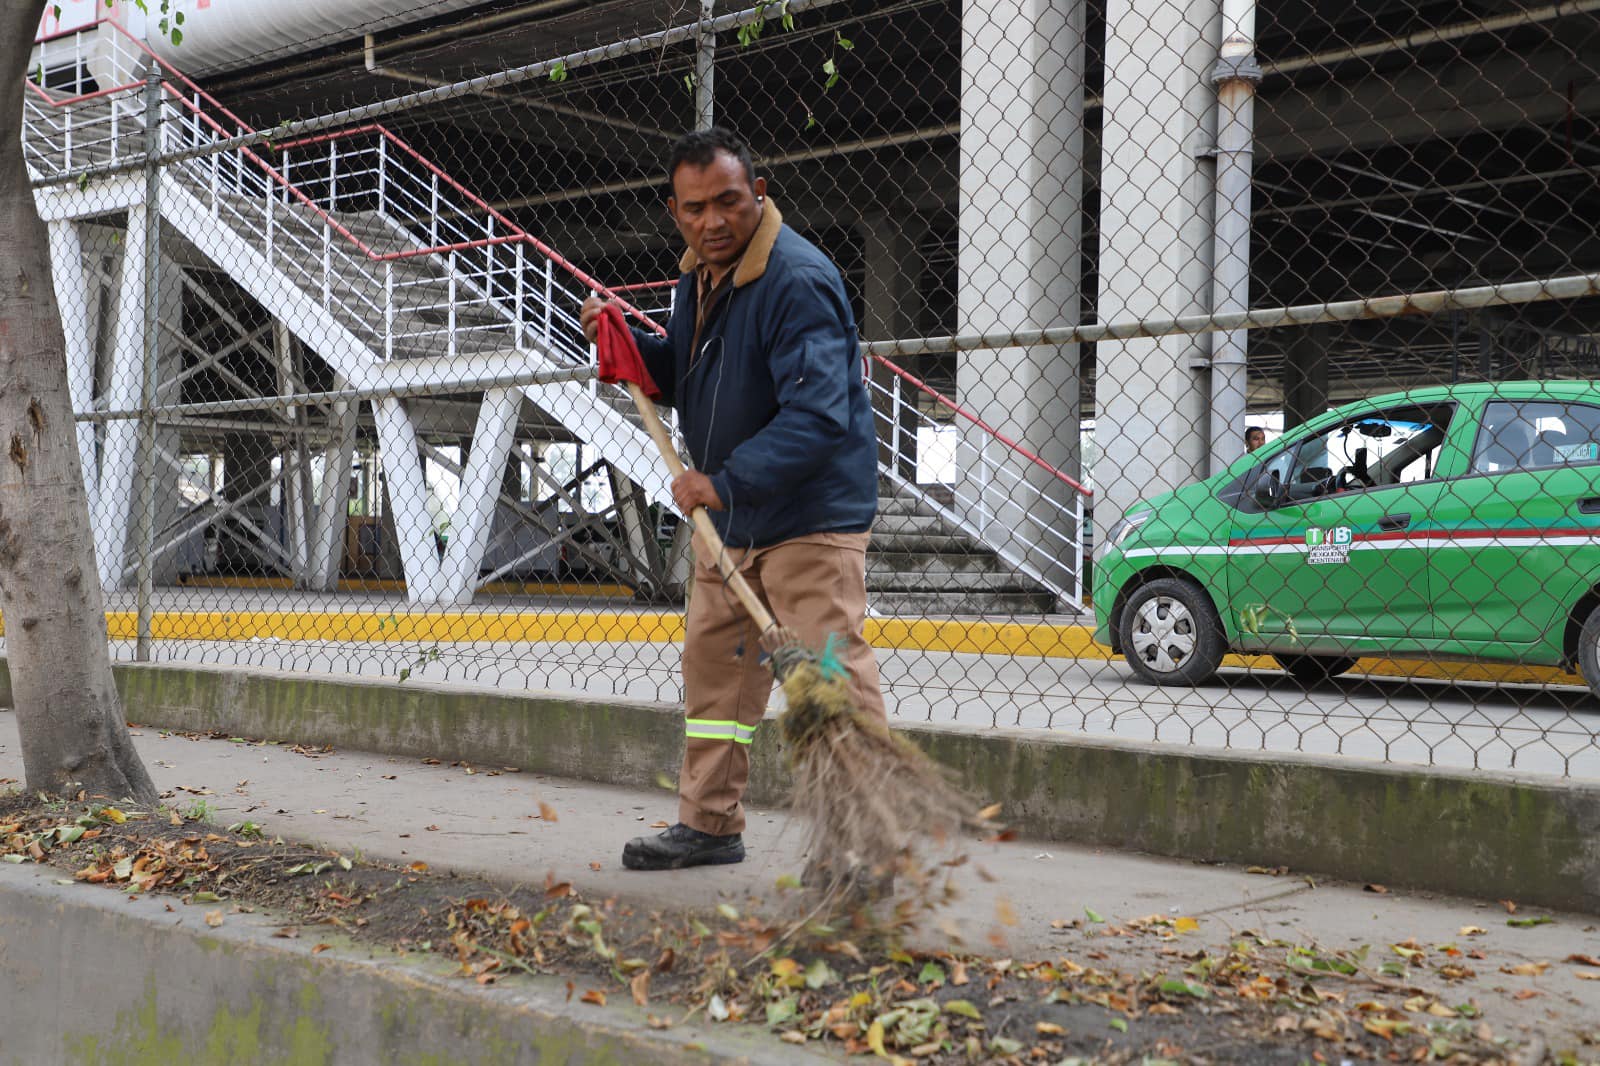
775	410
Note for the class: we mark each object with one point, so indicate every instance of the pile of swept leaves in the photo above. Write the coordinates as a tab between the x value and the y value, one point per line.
1262	1001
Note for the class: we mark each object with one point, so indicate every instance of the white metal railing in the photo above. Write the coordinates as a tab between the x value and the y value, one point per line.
1024	509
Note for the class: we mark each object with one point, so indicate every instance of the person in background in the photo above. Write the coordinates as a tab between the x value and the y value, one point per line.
1254	437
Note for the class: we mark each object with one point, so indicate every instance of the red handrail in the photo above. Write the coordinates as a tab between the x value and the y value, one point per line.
81	97
639	286
45	38
980	423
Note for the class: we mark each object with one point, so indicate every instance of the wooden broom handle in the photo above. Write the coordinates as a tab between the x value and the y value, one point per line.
701	518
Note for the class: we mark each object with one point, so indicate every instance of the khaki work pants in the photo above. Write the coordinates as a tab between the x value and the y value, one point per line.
814	585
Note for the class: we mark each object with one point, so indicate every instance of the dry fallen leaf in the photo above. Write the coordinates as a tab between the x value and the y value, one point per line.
213	918
1526	969
1050	1029
989	813
1472	930
418	867
320	948
595	867
1379	889
1527	993
1004	913
1511	907
1588	975
657	1022
547	812
658	825
1185	925
1583	960
594	996
640	987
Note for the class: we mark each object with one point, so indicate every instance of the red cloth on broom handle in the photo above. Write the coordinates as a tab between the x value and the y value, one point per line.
702	520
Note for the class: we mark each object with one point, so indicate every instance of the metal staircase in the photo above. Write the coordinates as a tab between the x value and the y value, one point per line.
393	273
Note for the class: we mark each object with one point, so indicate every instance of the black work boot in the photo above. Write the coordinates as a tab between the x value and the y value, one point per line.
681	846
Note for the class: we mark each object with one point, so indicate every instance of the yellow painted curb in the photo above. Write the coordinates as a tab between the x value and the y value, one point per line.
1010	639
494	588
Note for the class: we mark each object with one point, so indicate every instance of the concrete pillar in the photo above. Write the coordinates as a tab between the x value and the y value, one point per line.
892	308
1156	206
1020	222
1305	374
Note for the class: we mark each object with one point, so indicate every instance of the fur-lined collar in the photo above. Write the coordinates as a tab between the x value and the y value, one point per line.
753	264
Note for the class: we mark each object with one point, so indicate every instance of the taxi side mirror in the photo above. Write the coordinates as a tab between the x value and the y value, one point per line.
1266	489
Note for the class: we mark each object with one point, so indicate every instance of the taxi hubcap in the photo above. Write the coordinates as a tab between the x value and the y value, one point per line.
1163	633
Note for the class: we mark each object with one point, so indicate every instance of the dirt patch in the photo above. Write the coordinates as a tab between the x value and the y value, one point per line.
848	984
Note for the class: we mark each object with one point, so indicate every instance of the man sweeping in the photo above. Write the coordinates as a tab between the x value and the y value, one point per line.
761	361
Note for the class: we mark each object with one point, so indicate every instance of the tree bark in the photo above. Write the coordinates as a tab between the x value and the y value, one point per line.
74	736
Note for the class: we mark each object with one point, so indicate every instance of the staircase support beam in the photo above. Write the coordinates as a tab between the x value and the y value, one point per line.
119	463
408	492
72	295
480	490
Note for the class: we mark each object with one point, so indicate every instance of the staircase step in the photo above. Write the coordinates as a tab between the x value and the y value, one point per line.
922	543
919	604
926	569
913	525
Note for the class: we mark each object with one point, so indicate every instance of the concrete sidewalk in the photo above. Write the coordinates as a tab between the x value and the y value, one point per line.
485	819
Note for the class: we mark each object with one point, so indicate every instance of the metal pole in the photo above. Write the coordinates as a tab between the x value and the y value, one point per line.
705	69
146	518
1235	76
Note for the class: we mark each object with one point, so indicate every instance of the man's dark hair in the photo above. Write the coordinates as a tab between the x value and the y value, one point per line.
700	148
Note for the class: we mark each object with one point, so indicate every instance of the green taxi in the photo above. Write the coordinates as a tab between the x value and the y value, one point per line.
1459	522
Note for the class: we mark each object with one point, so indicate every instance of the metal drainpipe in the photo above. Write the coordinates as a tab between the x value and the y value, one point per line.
1235	77
705	71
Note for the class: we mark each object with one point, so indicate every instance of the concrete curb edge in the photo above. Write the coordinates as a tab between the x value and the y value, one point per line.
165	988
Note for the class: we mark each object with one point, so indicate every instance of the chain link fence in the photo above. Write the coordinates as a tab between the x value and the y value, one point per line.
1233	365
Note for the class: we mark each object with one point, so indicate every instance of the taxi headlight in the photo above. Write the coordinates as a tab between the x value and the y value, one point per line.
1125	528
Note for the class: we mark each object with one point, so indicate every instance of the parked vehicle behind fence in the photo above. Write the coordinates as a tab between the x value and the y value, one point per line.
1447	523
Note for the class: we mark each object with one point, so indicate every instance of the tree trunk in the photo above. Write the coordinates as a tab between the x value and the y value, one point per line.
74	736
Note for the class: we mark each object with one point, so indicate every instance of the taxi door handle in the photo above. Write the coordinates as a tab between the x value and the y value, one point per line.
1395	521
1589	505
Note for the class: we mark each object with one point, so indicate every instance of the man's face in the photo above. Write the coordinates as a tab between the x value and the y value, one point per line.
1254	439
716	209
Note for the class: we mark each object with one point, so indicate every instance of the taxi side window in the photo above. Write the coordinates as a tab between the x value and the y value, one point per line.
1536	435
1371	451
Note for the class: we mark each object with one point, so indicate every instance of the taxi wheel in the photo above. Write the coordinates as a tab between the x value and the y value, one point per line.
1589	651
1314	669
1171	634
